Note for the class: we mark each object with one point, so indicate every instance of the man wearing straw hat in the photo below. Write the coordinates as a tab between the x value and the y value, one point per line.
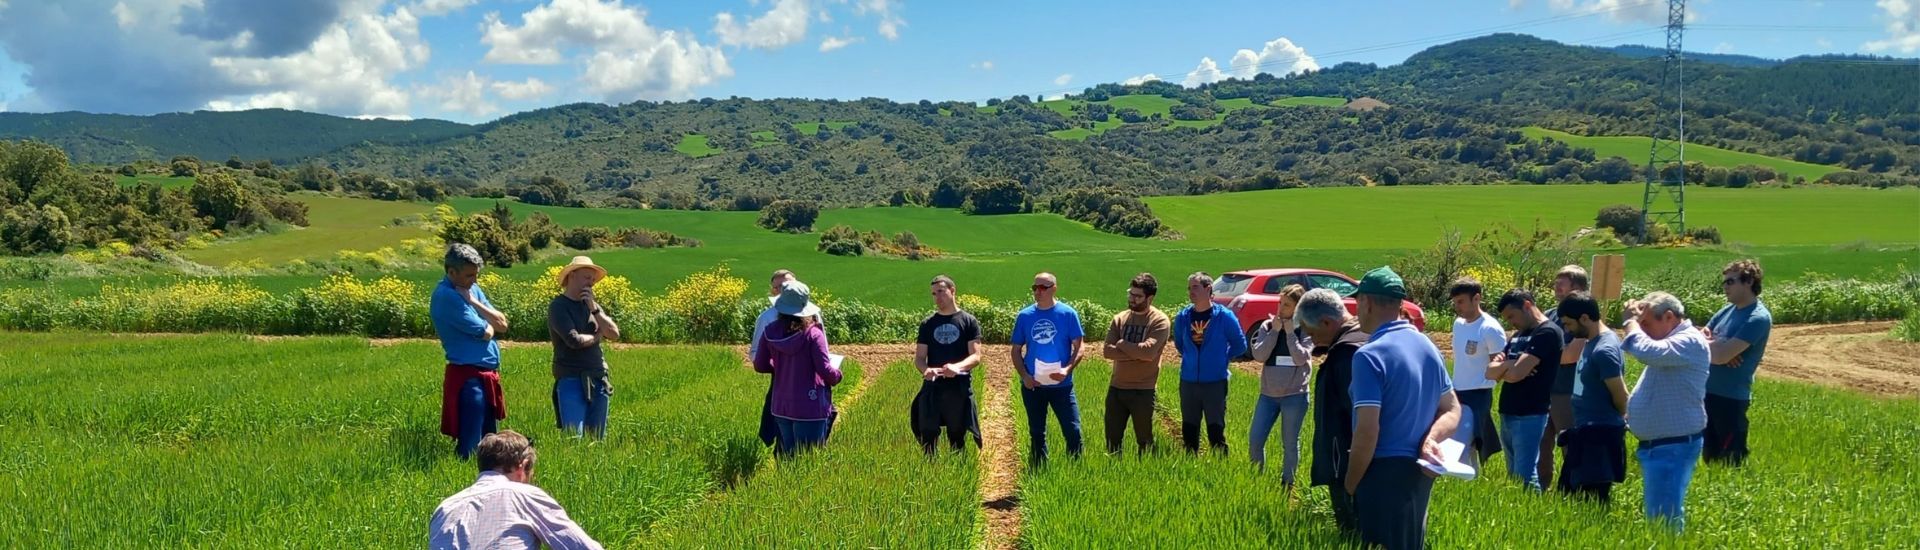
577	325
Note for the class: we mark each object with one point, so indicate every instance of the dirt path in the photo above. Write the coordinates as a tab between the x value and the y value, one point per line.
1856	356
999	458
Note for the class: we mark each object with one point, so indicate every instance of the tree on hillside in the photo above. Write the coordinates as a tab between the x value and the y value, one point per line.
998	196
221	199
789	216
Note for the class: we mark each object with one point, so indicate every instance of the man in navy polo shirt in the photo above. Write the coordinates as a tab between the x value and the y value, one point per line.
1403	406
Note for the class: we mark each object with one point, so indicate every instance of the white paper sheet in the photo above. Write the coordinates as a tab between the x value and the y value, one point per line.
835	360
1450	451
1044	371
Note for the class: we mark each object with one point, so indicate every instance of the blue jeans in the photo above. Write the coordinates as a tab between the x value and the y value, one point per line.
1521	437
1665	472
581	411
476	418
1065	407
798	435
1291	412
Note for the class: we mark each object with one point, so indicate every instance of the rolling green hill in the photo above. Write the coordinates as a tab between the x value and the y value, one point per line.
1636	148
274	134
335	224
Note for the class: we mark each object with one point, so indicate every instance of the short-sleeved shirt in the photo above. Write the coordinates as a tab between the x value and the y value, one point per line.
1600	361
1473	343
566	317
1531	395
1751	324
946	338
1563	378
1400	372
463	334
1048	335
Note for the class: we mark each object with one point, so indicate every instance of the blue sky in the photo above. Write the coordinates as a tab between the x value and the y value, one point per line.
474	61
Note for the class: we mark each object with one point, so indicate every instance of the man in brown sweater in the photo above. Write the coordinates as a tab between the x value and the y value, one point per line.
1134	342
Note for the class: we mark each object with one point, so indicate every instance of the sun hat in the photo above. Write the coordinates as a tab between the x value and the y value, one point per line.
579	263
796	300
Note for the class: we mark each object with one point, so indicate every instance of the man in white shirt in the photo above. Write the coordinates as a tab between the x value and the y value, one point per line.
502	509
1477	339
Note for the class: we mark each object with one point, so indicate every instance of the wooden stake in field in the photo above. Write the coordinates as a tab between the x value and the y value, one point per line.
1609	272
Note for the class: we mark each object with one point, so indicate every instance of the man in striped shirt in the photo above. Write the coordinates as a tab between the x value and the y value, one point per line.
1667	409
502	509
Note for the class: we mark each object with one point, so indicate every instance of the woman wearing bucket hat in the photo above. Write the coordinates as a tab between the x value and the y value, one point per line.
577	325
794	351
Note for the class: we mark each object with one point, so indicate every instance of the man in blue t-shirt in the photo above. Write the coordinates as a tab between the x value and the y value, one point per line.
1738	334
1595	455
471	401
1046	345
1403	406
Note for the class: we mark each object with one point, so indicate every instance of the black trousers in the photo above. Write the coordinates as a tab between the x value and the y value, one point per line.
1392	504
1208	399
1129	406
1726	434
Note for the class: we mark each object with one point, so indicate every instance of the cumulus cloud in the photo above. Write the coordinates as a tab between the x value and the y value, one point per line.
1062	80
530	88
347	69
463	94
1142	79
1279	56
1207	72
260	29
832	43
147	56
625	58
889	13
1903	27
432	8
1625	11
780	27
982	65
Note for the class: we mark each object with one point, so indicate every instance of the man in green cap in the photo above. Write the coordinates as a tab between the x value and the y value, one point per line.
1403	406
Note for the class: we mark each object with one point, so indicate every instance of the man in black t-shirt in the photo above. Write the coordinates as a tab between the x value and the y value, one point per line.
946	351
1527	373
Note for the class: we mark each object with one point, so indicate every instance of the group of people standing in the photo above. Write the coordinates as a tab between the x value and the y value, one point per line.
1379	391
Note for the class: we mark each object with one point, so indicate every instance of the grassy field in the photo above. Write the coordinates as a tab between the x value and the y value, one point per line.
1309	101
1148	105
1635	148
169	182
1826	463
335	224
695	145
1413	216
178	441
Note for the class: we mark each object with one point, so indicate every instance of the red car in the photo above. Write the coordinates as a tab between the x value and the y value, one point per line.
1259	292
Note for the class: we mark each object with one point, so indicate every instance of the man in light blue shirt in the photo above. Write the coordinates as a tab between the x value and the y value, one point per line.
1738	334
1666	410
467	324
1046	345
1403	406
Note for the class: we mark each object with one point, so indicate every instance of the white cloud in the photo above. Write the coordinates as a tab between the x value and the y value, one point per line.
1823	43
1062	80
432	8
824	17
1054	97
832	43
463	94
528	89
1207	72
1279	56
1142	79
889	13
347	69
1515	4
780	27
1723	47
625	58
1625	11
983	65
1903	26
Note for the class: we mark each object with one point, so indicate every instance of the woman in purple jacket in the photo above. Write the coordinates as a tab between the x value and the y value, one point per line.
794	351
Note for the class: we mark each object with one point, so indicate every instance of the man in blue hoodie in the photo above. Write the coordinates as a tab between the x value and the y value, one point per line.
1209	338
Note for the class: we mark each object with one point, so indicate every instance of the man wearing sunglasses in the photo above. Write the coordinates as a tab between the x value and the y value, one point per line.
1738	334
1046	345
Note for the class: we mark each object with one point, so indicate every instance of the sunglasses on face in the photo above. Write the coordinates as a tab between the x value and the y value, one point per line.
1038	288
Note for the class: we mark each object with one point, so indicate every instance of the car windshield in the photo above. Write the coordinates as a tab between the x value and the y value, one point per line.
1336	284
1231	285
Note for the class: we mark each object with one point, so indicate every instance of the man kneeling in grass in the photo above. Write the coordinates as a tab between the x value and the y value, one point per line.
503	509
